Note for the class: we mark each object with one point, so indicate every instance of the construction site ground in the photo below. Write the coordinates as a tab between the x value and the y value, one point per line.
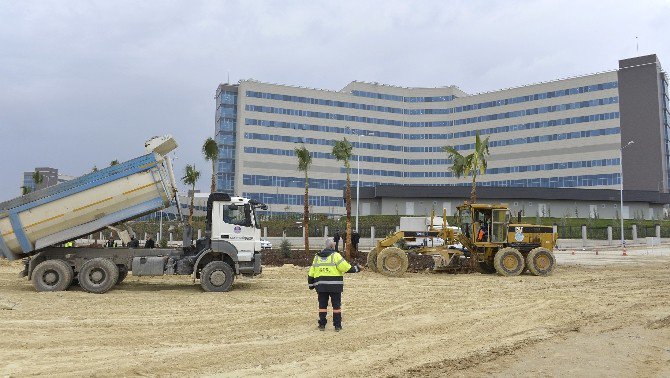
598	315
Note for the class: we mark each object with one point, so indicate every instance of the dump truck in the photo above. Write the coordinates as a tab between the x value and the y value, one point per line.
39	227
492	243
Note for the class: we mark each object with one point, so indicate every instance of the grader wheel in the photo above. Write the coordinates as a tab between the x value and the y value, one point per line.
508	262
372	259
392	262
540	262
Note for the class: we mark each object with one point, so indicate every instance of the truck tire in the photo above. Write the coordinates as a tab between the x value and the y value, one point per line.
372	259
98	275
52	275
392	262
508	262
123	273
217	276
540	262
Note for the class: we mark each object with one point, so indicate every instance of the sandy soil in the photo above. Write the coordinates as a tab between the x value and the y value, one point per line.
585	320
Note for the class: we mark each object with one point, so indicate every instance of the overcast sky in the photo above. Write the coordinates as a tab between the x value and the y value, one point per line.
85	82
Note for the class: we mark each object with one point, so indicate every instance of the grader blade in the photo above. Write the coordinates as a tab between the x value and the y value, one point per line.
452	261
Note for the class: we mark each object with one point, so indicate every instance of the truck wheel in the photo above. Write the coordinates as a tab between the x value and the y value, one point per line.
372	259
392	262
98	275
123	273
52	275
540	261
217	276
508	262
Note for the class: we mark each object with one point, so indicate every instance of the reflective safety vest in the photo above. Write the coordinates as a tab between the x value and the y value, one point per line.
326	273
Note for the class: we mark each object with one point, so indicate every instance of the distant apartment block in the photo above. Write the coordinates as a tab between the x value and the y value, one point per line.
47	176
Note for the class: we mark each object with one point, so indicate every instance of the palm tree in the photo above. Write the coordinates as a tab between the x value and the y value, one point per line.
113	163
211	151
191	176
24	190
471	164
94	169
342	152
38	179
304	161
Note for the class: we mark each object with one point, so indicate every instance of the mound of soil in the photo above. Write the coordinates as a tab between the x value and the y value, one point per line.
419	263
274	257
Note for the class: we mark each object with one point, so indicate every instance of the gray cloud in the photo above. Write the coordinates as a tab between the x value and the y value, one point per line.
83	83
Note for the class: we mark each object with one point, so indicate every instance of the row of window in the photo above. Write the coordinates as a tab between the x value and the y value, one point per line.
294	199
456	109
226	124
551	182
322	155
558	182
385	96
459	147
295	182
535	139
460	134
462	121
507	101
228	97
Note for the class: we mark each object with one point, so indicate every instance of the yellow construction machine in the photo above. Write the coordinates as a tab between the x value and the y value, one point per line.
490	244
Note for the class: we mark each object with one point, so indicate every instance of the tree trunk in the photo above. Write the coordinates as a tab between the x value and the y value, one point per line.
473	193
305	220
347	251
190	210
213	176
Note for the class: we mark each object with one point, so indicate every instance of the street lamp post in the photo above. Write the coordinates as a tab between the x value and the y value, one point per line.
623	241
358	174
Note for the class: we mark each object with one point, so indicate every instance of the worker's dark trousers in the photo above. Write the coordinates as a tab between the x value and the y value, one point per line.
337	244
336	302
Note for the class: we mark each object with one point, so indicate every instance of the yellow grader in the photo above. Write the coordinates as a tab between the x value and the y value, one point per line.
491	244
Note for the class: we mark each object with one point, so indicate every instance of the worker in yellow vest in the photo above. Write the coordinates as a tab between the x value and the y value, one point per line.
325	275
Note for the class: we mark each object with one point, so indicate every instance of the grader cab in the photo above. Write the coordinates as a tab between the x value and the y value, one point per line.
491	243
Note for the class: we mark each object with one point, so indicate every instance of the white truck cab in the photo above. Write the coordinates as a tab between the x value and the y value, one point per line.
235	221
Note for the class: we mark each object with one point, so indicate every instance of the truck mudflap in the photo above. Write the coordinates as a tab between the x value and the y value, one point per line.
24	272
4	251
253	267
258	268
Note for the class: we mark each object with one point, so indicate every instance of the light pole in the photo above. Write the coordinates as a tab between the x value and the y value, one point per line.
358	173
623	241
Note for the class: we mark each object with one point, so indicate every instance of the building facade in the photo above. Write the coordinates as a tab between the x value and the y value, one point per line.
565	133
48	177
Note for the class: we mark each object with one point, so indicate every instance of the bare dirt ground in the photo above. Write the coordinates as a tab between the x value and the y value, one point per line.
589	319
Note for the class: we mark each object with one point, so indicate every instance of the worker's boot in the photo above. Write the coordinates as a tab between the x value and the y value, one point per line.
337	319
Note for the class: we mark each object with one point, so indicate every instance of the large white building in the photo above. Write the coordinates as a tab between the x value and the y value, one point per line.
565	133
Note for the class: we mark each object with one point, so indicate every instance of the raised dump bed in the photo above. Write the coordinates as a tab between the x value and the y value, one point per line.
89	203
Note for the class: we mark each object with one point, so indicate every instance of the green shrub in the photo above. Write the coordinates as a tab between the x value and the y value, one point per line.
285	248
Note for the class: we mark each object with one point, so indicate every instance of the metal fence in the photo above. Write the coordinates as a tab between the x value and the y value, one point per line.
569	232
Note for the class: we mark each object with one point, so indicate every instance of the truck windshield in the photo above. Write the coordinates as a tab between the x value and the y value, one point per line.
466	221
237	215
499	227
